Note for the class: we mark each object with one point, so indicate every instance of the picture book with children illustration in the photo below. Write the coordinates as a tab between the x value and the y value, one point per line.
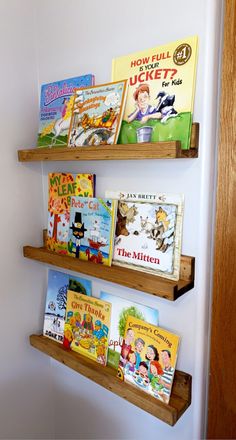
61	187
91	230
148	232
121	309
148	358
56	299
56	103
160	99
97	113
87	326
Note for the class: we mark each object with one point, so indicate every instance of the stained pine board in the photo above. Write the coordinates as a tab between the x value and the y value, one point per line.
106	377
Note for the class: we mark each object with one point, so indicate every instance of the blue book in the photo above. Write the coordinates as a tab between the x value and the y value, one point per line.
55	307
56	104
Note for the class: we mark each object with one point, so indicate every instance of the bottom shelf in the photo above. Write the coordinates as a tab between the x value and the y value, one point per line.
106	377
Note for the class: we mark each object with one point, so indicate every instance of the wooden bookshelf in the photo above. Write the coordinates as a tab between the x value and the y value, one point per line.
106	377
158	150
133	279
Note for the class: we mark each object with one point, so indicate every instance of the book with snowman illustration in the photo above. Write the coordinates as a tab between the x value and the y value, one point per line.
148	233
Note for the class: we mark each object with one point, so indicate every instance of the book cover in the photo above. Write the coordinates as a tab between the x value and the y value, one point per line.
56	102
92	228
97	114
121	309
56	298
61	187
87	326
148	233
160	97
157	356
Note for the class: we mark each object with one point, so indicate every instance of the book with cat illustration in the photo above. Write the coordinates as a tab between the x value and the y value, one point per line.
56	299
148	358
56	103
148	232
121	308
97	114
92	228
159	105
61	187
87	326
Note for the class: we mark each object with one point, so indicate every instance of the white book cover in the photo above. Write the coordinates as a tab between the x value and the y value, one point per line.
148	232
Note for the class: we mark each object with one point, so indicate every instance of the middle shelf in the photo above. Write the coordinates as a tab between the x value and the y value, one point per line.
133	279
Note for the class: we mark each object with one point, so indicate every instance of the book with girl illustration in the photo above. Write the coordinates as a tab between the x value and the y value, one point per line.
56	103
121	309
148	233
87	326
159	105
97	113
56	299
92	228
61	187
148	358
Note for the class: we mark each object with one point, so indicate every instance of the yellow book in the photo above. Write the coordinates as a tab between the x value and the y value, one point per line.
148	358
87	326
160	97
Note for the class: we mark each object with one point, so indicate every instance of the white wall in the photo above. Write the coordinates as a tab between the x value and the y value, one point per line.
74	38
87	40
25	393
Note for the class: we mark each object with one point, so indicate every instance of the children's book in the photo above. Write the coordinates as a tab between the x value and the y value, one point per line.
61	187
55	109
87	326
55	307
148	358
121	309
148	232
160	97
92	228
97	114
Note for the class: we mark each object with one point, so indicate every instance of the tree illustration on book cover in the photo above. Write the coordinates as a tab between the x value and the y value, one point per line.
121	309
61	187
148	358
160	97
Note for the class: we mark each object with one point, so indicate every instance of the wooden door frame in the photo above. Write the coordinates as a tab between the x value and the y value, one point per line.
222	381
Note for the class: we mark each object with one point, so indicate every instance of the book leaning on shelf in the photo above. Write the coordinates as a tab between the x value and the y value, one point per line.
97	113
61	187
154	371
159	105
148	233
55	109
121	309
87	326
91	229
56	299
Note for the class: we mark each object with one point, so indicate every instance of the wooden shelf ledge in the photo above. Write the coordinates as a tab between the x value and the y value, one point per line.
158	150
133	279
106	377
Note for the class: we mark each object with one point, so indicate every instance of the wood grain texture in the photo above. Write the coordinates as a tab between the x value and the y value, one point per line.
106	377
158	150
133	279
222	384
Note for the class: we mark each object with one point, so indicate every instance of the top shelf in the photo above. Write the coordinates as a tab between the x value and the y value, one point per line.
158	150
